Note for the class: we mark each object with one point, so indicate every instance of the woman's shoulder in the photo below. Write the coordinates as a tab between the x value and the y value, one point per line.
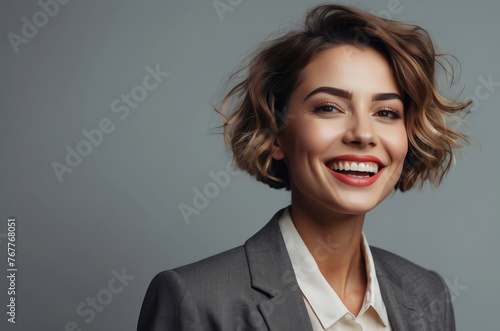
224	265
197	293
396	262
215	274
406	273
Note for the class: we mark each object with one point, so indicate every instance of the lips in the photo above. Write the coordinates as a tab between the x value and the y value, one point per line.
356	170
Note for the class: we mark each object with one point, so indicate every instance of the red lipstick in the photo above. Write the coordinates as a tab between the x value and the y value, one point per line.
356	181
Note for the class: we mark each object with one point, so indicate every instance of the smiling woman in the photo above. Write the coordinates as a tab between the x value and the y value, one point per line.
341	113
353	114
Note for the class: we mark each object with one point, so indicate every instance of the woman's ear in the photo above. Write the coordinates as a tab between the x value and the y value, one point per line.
277	150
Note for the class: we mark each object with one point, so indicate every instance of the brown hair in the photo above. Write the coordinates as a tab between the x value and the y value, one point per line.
274	71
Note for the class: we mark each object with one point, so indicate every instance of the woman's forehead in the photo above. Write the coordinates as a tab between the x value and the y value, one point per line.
350	68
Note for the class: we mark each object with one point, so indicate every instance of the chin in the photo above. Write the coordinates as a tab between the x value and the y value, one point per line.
357	209
357	205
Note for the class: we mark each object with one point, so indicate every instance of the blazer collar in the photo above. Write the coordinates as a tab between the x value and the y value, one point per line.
271	272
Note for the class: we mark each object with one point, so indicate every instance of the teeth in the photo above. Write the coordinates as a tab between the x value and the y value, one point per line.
355	166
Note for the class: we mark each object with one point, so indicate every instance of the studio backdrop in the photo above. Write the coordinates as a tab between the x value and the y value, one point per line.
113	168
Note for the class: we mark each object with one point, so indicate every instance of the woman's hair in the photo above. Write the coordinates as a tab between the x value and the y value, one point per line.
274	71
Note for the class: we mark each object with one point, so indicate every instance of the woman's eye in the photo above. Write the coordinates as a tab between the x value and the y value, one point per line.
388	113
327	108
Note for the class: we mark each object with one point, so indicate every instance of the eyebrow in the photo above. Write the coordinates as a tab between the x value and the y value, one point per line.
386	96
348	95
331	90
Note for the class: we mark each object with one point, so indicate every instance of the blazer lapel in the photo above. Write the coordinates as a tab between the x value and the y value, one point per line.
271	272
398	304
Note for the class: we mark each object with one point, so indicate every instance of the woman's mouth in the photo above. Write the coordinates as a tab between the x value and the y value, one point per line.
356	173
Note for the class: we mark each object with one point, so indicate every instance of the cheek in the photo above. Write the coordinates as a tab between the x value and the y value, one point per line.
313	138
397	145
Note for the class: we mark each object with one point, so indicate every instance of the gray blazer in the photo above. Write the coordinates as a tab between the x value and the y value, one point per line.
253	287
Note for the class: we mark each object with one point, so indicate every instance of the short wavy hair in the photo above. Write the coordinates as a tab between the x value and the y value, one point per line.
274	70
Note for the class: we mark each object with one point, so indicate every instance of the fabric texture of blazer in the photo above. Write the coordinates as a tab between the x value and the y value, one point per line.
253	287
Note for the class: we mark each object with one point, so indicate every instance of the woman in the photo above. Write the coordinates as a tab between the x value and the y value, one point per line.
339	113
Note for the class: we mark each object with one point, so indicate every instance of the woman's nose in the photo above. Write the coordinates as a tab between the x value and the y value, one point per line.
359	131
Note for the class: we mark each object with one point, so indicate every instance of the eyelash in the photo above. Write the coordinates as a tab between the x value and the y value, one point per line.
318	109
321	106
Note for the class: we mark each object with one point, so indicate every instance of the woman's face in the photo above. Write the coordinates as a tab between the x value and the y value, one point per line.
347	113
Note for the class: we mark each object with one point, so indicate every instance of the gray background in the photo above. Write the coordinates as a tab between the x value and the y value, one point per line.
119	207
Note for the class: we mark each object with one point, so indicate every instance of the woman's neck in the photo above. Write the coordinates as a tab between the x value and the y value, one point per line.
334	240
